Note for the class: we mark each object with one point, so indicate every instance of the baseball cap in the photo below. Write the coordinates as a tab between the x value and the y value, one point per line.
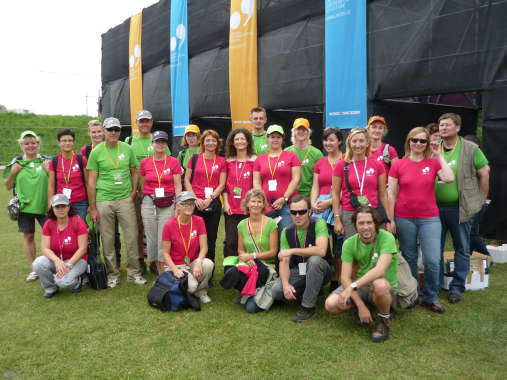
111	122
144	114
275	128
301	122
373	119
185	196
27	133
159	135
59	199
192	128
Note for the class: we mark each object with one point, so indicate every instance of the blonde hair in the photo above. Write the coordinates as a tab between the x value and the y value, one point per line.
293	136
353	132
254	193
94	123
412	133
20	142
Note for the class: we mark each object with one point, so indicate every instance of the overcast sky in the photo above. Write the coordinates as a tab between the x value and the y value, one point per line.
51	52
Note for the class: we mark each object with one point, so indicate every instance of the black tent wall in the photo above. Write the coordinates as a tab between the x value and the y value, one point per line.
415	48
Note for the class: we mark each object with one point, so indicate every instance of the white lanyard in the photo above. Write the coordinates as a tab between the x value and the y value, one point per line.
361	183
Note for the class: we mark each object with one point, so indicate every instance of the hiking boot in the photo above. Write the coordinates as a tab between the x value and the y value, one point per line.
303	314
381	332
32	276
454	297
112	282
435	307
138	280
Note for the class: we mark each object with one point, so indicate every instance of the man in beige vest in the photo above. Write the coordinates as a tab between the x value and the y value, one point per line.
460	200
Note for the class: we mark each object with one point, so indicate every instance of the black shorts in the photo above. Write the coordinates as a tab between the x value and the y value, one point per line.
26	222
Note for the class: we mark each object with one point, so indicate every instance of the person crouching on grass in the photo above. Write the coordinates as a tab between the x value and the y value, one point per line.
185	246
375	252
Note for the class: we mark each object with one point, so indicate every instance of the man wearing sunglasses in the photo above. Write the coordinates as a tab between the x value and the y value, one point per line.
304	259
112	185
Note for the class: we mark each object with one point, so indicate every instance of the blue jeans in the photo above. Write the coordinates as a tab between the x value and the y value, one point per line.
251	306
284	212
81	208
428	232
460	233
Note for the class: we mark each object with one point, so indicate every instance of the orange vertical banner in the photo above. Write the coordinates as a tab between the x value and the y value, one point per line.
135	69
243	91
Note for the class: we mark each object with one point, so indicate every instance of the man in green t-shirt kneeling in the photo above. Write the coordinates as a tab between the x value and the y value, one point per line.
375	252
304	259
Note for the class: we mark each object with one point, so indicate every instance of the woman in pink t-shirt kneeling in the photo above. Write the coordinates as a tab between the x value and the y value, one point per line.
185	246
413	203
64	243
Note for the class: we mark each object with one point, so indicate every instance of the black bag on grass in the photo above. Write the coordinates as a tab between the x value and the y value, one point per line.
96	272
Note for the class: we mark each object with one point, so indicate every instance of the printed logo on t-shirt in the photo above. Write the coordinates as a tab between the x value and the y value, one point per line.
38	168
75	168
370	171
31	165
121	156
452	163
246	175
264	146
67	240
425	170
193	234
281	163
167	171
150	148
215	167
305	161
380	158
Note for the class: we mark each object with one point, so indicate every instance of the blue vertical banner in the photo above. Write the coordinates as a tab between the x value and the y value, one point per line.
346	60
179	66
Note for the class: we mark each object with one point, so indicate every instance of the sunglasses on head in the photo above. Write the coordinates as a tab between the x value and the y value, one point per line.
358	129
114	129
421	141
298	212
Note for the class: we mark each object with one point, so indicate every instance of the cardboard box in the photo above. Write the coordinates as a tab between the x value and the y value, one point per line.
498	253
478	276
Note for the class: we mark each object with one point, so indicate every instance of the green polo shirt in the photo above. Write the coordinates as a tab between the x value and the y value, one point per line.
308	158
260	144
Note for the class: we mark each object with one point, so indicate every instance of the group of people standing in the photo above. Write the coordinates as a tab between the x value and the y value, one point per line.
312	218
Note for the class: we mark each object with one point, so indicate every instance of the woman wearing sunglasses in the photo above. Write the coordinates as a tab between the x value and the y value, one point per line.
359	180
412	200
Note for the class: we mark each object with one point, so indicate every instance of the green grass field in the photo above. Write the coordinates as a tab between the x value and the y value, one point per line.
115	334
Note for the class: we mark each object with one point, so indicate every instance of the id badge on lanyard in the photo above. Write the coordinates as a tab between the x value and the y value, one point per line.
67	192
159	192
272	185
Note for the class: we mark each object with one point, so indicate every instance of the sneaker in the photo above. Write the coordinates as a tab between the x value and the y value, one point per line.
204	298
32	276
303	314
112	282
381	332
435	307
454	297
138	280
48	295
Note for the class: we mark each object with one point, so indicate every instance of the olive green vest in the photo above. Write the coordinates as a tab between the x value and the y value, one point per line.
470	193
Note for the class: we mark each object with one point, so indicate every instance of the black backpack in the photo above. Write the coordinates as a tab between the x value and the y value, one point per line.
96	272
79	162
170	293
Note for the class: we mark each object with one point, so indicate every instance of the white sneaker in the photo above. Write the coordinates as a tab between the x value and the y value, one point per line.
112	282
204	298
138	280
32	276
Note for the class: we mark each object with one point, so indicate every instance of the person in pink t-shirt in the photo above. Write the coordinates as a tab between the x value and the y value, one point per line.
367	181
321	198
69	176
185	245
277	173
64	243
160	182
208	182
240	163
382	152
412	200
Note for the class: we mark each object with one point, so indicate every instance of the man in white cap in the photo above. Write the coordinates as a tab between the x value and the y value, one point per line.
112	188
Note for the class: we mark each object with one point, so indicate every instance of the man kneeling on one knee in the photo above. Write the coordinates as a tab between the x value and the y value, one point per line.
304	259
375	253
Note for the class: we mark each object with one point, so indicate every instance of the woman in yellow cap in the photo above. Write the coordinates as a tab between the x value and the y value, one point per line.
190	144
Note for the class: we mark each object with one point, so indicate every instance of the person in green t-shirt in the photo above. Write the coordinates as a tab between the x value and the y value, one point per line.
260	139
375	252
307	154
27	175
190	144
112	188
304	259
459	201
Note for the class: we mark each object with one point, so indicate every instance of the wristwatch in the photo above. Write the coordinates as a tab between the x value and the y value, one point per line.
69	265
286	199
354	285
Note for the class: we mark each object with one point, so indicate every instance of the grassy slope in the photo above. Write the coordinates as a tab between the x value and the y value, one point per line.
46	126
114	334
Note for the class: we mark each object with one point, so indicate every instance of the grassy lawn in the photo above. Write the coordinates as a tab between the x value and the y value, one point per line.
115	334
